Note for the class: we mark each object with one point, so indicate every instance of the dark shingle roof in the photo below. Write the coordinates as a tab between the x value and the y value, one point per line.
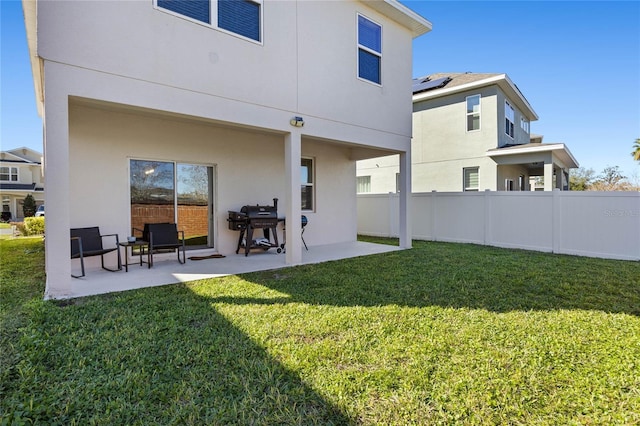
17	186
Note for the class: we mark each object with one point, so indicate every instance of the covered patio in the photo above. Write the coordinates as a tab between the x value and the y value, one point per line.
551	162
167	270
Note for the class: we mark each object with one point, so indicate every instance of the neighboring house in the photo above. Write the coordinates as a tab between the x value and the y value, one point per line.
157	108
20	175
471	132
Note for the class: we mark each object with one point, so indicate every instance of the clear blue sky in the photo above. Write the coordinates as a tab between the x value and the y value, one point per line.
577	62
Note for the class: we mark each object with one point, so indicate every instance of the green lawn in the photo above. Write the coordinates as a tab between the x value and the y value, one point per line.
441	334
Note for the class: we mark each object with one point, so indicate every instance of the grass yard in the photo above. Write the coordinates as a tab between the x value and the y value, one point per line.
441	334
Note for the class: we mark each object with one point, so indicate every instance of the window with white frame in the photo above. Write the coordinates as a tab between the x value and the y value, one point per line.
307	180
241	17
473	113
524	124
369	50
470	178
363	184
509	119
9	174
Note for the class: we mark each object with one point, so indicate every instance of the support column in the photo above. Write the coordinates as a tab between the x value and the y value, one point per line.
405	199
56	182
293	213
559	178
548	176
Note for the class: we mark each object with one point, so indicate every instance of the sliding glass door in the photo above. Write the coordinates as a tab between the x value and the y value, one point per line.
165	191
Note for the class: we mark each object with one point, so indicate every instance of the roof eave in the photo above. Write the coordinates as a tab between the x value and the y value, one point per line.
30	10
560	149
401	14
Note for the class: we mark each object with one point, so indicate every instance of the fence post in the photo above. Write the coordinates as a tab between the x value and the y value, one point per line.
488	219
433	215
556	221
392	215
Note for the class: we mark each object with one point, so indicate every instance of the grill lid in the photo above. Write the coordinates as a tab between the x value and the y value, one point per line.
258	211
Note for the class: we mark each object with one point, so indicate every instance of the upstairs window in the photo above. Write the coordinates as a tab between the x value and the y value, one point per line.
369	50
241	17
473	113
200	10
524	124
9	174
509	119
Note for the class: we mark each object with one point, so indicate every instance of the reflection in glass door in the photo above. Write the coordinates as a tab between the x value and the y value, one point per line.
163	191
195	203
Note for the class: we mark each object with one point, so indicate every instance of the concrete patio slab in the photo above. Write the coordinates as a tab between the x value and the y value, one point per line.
167	270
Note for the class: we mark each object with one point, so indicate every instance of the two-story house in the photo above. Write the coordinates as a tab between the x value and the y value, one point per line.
20	175
222	103
472	132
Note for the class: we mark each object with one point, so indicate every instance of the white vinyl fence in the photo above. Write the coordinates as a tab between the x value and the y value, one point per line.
595	224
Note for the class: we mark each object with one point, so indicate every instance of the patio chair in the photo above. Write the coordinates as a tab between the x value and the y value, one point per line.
162	238
86	242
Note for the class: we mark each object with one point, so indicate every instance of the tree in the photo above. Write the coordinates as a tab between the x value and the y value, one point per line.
636	150
611	180
581	179
29	206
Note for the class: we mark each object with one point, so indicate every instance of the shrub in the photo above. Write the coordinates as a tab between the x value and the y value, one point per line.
29	206
33	226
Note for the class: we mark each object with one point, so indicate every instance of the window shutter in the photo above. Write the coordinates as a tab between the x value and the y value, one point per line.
241	17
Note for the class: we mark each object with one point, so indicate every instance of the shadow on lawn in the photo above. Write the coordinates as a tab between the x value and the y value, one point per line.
150	357
462	276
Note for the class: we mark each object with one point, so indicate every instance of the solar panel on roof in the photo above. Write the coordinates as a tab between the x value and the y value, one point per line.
430	84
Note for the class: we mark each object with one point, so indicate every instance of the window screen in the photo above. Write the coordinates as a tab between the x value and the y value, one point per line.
195	9
369	50
241	17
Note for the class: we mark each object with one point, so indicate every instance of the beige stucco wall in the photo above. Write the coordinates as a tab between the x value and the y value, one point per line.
299	67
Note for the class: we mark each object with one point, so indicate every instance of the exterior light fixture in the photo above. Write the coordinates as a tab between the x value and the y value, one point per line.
297	121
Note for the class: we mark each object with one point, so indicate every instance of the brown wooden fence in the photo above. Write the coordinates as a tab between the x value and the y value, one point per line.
193	220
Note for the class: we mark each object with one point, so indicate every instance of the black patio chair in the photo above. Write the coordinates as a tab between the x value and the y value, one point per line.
163	238
86	242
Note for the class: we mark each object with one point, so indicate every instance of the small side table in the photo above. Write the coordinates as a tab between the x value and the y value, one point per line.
143	247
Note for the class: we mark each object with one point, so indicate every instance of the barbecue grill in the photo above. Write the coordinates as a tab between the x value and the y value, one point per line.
250	218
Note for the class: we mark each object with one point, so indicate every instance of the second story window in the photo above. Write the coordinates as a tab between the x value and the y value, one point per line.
9	174
473	113
369	50
509	119
524	124
241	17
